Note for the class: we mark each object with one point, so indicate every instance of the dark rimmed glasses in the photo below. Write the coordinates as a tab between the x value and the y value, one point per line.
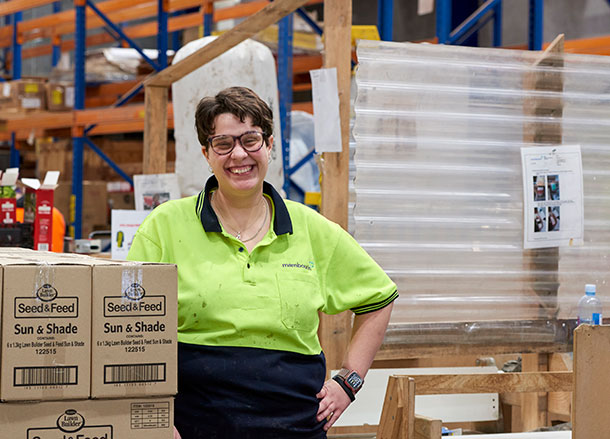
223	144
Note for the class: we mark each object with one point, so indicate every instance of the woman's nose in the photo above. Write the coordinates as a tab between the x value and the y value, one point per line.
238	150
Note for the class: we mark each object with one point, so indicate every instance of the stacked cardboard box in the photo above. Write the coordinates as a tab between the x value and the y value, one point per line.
96	337
23	95
59	96
29	94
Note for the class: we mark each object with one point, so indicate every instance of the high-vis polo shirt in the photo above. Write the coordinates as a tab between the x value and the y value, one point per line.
268	298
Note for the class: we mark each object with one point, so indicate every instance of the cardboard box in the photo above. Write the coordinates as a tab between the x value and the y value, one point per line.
38	208
6	95
46	327
24	95
134	329
147	418
8	196
60	97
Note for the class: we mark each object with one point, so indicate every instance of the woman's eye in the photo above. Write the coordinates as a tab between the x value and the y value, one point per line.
223	144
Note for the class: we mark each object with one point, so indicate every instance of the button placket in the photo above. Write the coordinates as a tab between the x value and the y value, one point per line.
249	271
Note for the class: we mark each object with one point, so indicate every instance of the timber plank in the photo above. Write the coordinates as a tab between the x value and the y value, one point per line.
544	263
427	428
591	398
335	331
493	383
155	130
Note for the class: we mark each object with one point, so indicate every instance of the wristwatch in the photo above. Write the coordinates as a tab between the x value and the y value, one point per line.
350	381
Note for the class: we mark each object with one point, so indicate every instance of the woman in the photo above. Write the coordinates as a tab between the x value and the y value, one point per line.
253	272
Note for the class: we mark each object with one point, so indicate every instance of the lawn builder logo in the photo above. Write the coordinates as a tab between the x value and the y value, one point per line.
134	291
46	293
134	302
46	304
310	266
71	425
70	421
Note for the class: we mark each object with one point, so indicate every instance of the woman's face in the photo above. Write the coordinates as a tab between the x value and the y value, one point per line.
239	172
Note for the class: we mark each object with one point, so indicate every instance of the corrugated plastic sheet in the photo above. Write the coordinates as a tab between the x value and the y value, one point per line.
438	180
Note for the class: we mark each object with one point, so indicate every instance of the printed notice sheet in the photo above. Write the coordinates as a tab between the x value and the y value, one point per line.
553	211
124	225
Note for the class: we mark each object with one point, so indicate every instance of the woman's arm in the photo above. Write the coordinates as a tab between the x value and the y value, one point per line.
367	336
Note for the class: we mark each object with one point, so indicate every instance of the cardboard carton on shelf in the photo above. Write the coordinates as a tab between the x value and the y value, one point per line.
23	95
59	96
46	327
143	418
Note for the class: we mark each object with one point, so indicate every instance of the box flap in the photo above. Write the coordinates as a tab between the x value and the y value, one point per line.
50	180
33	183
9	177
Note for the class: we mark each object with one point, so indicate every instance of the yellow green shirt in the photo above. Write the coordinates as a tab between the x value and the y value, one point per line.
268	298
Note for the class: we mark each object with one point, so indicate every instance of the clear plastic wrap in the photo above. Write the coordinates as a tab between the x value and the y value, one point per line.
438	183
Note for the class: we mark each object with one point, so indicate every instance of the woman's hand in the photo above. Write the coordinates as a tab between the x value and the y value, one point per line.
176	434
333	402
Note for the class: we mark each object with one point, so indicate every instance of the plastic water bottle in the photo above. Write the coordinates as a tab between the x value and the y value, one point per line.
589	307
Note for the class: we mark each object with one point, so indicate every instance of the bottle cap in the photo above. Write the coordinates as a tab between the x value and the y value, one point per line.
590	289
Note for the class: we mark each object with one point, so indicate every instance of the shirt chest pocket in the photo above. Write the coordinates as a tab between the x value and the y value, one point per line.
300	299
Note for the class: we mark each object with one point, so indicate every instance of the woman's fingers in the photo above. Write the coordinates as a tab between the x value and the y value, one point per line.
332	418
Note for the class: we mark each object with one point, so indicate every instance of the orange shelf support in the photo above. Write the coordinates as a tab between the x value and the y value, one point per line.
13	6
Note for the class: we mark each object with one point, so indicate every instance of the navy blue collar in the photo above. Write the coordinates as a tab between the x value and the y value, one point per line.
281	223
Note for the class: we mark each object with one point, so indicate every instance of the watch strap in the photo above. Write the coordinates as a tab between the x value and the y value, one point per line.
343	373
341	380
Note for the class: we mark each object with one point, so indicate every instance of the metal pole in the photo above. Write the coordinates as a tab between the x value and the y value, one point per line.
208	18
56	54
385	11
536	24
498	24
14	158
284	73
443	20
76	200
162	17
17	16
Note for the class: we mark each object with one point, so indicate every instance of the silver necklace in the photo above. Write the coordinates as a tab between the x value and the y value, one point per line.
238	234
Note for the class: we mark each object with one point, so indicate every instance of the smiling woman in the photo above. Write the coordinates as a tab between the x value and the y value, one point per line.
254	272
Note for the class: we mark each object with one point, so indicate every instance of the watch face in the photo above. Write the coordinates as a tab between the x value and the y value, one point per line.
354	381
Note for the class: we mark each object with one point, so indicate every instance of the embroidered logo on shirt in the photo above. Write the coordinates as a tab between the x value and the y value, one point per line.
310	266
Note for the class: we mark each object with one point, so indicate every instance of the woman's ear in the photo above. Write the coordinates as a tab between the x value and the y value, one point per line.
270	143
205	153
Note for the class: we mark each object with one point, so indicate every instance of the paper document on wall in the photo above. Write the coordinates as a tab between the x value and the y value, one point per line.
150	190
553	196
124	224
327	122
425	7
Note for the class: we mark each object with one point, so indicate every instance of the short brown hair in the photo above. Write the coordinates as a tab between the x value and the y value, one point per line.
239	101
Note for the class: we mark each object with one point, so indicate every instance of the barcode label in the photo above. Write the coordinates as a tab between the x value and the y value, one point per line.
45	376
43	247
134	373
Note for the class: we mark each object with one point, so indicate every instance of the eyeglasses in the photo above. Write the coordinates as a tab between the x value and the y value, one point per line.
223	144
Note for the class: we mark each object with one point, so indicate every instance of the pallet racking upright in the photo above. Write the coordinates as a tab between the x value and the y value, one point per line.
488	10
